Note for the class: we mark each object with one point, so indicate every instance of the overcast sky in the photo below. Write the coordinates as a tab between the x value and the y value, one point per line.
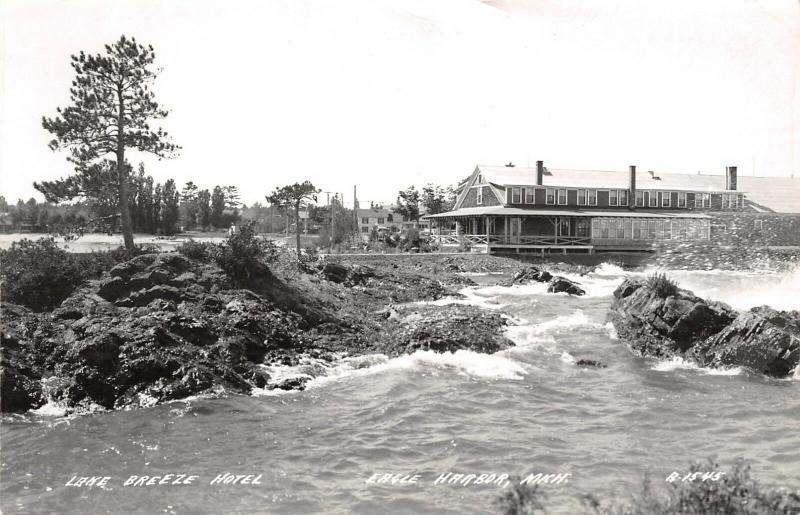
387	93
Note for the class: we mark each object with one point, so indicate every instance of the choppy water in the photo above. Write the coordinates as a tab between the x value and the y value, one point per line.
526	410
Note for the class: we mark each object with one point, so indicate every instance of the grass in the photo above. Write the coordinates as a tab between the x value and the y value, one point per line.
662	285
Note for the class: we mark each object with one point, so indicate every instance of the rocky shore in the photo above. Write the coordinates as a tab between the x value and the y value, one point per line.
657	319
163	326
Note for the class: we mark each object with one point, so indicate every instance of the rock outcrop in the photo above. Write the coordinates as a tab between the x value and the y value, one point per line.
706	332
557	284
161	327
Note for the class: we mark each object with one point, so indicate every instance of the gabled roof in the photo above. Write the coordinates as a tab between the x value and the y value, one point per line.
776	194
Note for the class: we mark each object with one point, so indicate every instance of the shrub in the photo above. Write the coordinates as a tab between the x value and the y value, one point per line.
244	256
735	493
662	285
520	499
38	274
198	250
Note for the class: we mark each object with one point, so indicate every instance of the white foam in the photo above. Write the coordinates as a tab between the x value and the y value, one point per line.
566	357
678	363
472	296
50	409
463	362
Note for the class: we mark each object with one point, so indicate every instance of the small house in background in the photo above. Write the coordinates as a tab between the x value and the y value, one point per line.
6	224
380	219
503	208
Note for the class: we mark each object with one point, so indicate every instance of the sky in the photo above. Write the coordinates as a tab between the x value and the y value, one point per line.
383	94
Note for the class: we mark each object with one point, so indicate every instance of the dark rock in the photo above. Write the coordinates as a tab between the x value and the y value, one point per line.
134	266
561	284
530	274
335	272
708	333
113	288
145	297
18	392
590	363
291	383
444	329
150	278
762	339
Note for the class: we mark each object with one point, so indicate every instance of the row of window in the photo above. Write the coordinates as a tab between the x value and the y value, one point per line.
365	220
650	229
644	198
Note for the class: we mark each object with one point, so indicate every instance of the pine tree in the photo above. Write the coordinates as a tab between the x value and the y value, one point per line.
170	208
217	207
111	107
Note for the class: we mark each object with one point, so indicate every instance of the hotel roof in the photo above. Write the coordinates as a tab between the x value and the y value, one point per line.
767	194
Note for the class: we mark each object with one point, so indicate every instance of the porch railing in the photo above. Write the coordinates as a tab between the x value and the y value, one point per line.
501	239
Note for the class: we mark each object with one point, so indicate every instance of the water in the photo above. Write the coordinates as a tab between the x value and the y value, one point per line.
526	410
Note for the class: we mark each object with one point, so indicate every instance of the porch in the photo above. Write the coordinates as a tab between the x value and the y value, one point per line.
490	233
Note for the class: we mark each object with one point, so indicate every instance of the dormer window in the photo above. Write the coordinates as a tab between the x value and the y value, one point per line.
530	198
682	199
562	197
479	192
550	197
516	195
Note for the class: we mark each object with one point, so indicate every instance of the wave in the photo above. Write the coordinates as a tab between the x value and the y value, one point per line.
678	363
464	362
470	296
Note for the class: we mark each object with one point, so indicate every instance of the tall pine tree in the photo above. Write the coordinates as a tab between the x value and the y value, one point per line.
112	105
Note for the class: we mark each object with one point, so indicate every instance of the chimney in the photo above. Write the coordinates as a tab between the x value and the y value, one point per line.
730	178
632	188
539	173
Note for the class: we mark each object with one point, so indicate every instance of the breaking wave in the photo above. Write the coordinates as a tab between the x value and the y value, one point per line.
678	363
462	362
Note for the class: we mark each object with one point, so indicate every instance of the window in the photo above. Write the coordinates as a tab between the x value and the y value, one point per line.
637	232
666	199
480	195
516	194
592	197
529	196
364	220
623	197
612	198
653	199
604	228
562	197
758	225
380	221
563	230
582	228
581	197
639	199
706	199
681	199
698	200
390	218
365	229
550	196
